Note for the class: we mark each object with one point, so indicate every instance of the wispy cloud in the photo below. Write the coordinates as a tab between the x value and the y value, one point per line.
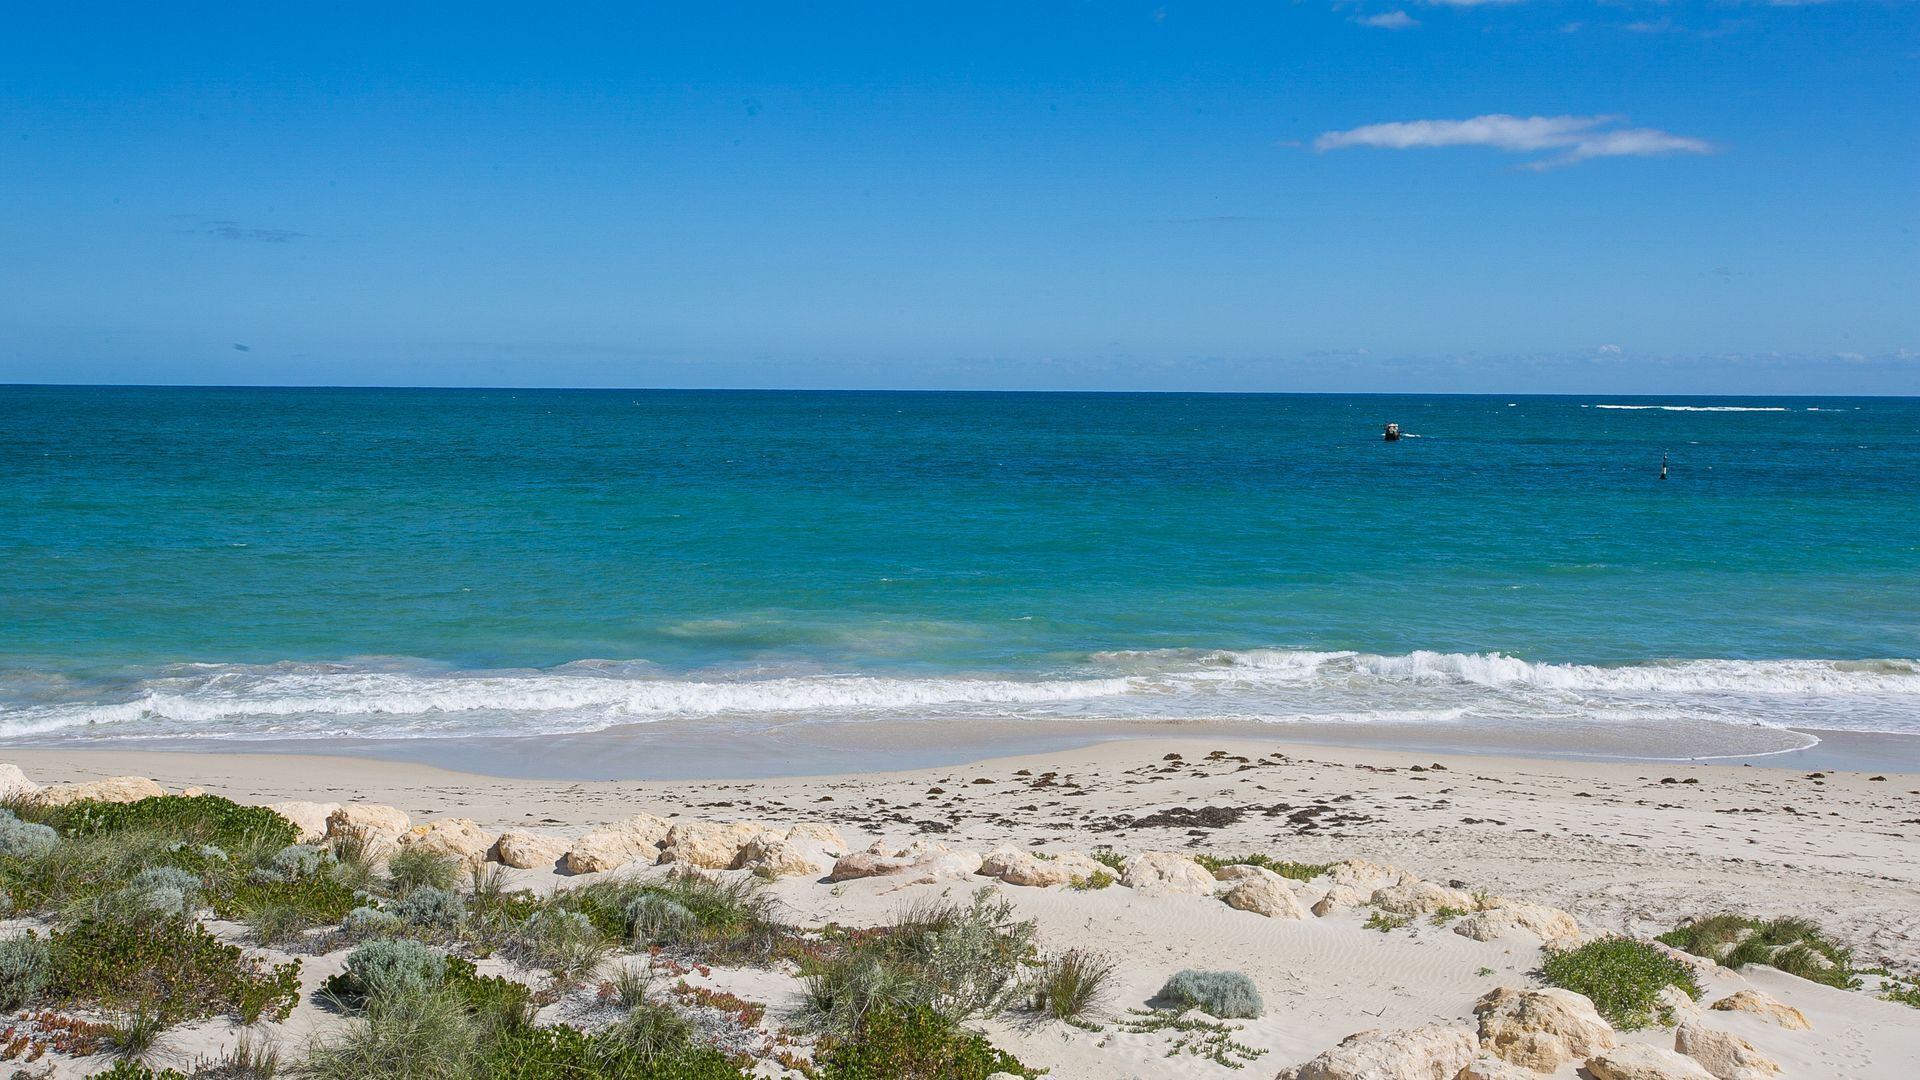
227	229
1392	20
1577	138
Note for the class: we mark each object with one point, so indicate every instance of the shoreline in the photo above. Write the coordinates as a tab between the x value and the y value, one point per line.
694	751
1630	847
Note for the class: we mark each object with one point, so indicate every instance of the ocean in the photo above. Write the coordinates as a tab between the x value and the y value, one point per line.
188	566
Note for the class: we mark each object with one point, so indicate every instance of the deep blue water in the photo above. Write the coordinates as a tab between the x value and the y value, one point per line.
387	563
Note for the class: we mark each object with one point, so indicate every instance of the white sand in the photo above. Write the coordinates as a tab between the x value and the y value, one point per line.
1611	843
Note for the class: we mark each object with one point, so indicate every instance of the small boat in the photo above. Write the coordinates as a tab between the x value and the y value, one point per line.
1393	433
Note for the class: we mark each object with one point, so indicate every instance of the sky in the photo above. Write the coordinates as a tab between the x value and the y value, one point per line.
1548	196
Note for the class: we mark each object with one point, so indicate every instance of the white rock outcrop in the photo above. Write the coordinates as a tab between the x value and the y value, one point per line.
768	855
368	821
1549	926
529	851
14	783
1017	867
1541	1029
1418	897
1724	1054
117	789
1265	896
709	845
1434	1052
1765	1006
636	839
458	838
1638	1061
309	817
1166	872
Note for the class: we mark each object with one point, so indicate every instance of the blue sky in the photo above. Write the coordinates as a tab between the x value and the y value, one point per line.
1532	195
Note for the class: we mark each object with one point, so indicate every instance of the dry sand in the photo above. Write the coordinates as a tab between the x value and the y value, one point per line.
1626	847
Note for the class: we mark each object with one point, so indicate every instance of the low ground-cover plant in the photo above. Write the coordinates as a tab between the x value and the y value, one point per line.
1796	946
698	917
917	1043
1623	978
1298	871
414	867
652	1043
1099	879
172	967
1228	995
198	819
1385	922
1192	1034
393	968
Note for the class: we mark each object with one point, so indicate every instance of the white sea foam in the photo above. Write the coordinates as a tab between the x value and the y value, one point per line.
398	699
1699	408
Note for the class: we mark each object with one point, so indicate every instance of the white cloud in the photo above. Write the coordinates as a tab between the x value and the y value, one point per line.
1608	350
1578	138
1466	3
1392	20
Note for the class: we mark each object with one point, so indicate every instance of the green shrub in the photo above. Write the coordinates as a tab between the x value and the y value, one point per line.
1796	946
729	921
309	901
163	890
566	943
567	1053
1099	879
656	919
1071	984
1228	995
413	868
1110	859
134	1070
174	968
364	922
1384	922
200	819
25	963
293	862
1623	978
916	1044
1298	871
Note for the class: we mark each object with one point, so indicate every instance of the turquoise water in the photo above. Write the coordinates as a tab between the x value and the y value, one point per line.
249	564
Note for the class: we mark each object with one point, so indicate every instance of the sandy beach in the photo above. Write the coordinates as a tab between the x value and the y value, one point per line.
1625	847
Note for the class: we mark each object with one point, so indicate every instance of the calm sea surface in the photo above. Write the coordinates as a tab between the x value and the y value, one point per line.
391	564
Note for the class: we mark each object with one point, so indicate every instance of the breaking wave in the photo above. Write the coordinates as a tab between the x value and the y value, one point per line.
397	699
1700	408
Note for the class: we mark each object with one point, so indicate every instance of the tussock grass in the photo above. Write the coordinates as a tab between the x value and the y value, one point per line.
414	868
1072	984
1796	946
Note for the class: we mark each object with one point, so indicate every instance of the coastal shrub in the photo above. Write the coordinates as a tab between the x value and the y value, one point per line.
918	1043
1796	946
1298	871
175	968
200	819
1110	859
656	919
127	1069
24	966
1385	922
413	1032
364	922
293	862
1623	978
163	890
78	869
24	839
566	943
303	902
1071	984
959	961
411	868
1228	995
710	919
653	1044
356	859
387	966
429	906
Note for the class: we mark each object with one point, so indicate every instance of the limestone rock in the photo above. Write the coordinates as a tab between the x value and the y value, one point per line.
1427	1053
309	817
865	864
14	783
709	845
617	844
1270	898
1541	1029
118	789
1638	1061
1674	1002
819	833
1166	872
369	821
926	861
949	865
1418	897
1357	872
1765	1006
460	838
1486	1067
1340	896
529	851
1550	926
1244	872
191	792
1016	867
1724	1054
771	856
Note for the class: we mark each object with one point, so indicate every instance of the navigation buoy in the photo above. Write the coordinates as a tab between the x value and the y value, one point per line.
1663	465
